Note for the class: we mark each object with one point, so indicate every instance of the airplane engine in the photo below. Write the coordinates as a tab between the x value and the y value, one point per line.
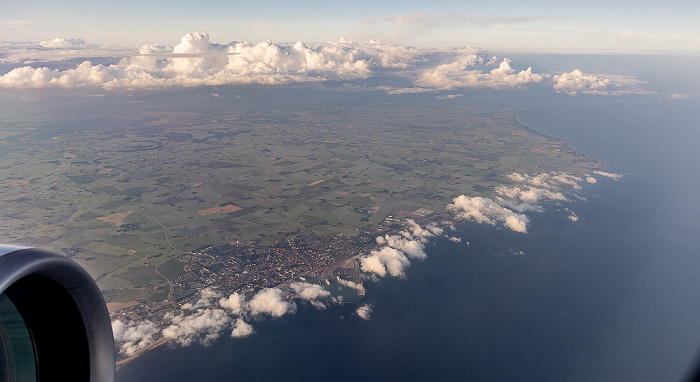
54	324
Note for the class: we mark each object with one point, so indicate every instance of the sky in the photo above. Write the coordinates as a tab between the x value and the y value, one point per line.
543	25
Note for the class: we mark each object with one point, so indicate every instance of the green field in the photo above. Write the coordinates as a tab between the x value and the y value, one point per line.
123	193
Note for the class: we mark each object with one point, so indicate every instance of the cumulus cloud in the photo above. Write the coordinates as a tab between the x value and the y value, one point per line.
514	200
412	248
241	329
393	257
385	260
529	195
234	303
521	198
196	61
203	327
549	180
608	175
308	291
364	311
676	96
572	215
200	322
461	74
417	231
133	337
270	301
537	188
206	296
485	210
577	82
350	284
63	43
519	207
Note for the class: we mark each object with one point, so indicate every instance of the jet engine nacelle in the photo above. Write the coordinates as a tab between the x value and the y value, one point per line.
54	324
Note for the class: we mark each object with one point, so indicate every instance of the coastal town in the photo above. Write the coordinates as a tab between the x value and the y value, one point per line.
237	267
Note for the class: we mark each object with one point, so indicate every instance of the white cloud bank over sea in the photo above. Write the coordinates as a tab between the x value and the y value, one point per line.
196	61
509	207
205	320
214	314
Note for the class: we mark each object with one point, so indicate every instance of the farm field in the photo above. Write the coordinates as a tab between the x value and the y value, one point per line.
123	193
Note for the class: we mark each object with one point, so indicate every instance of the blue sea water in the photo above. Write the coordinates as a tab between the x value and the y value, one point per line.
612	297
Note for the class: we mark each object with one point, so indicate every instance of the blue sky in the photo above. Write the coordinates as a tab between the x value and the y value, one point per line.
495	25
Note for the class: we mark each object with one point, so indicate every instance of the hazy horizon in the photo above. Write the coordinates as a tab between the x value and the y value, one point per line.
506	24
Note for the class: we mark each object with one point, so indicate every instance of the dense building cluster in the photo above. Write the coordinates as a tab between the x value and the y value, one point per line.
236	267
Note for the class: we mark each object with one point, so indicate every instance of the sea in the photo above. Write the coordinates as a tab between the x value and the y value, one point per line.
614	296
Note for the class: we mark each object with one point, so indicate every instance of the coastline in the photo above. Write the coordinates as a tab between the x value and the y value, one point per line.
159	342
392	228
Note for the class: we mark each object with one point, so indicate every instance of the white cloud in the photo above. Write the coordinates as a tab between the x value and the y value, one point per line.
235	303
320	305
608	175
195	61
523	198
204	326
394	256
308	291
513	201
412	248
133	337
577	82
350	284
430	230
519	207
450	96
63	43
364	311
549	180
385	260
676	96
205	299
241	329
485	210
372	264
200	323
529	195
269	301
461	74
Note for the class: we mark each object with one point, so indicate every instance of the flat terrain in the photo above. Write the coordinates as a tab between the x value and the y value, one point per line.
126	193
